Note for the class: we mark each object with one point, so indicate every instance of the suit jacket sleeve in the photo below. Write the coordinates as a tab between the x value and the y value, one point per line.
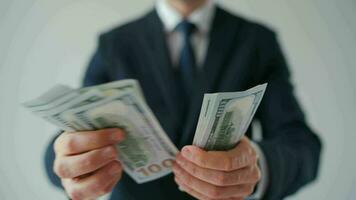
291	148
96	73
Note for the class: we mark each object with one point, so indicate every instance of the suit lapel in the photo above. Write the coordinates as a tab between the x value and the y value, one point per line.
222	35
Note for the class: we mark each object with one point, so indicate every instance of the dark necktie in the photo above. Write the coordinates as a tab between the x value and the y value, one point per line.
187	63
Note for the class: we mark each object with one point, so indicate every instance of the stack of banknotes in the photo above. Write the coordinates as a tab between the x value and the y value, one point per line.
147	153
225	117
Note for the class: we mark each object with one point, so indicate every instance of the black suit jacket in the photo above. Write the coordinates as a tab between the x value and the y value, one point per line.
241	54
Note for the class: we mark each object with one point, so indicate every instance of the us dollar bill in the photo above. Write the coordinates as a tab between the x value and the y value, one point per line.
225	117
146	153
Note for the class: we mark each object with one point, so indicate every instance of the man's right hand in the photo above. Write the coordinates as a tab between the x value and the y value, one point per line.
87	162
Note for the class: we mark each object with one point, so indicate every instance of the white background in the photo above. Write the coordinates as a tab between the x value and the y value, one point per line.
45	42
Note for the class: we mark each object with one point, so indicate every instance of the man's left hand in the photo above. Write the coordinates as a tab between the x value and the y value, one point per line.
218	175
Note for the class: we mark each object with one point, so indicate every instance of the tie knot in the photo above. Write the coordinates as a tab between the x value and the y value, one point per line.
186	27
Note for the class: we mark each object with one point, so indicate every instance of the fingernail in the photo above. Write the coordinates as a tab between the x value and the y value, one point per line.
186	152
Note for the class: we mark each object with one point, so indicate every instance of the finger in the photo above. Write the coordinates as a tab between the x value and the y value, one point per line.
99	183
245	175
79	142
210	190
77	165
239	157
199	195
191	191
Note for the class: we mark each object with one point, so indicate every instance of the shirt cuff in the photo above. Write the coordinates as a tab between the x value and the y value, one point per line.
262	185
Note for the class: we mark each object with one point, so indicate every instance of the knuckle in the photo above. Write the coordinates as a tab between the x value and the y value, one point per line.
112	152
60	169
100	186
58	143
258	174
117	167
68	144
106	189
74	194
249	190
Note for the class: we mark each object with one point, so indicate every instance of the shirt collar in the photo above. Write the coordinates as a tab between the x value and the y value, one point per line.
202	17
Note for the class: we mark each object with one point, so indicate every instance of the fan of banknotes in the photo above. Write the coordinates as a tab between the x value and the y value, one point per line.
147	153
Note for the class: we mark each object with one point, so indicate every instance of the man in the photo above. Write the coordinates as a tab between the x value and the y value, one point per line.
179	51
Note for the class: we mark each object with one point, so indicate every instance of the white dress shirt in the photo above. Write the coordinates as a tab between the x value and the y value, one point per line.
202	18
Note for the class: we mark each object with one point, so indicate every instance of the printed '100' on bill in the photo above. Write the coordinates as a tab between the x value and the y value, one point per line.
146	153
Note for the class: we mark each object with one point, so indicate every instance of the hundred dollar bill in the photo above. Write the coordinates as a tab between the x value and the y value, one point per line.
49	96
61	94
225	117
54	115
60	98
146	153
